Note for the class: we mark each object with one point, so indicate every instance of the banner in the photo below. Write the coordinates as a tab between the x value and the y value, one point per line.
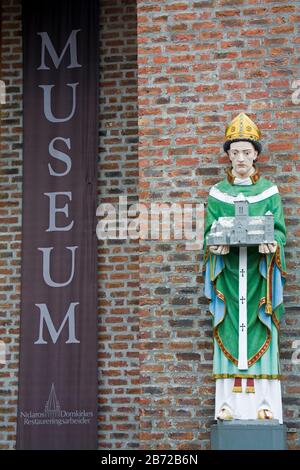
57	406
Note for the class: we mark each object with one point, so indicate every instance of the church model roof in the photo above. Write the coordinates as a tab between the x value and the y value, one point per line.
242	229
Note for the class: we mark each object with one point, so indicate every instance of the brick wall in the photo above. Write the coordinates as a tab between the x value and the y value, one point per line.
118	259
10	216
199	64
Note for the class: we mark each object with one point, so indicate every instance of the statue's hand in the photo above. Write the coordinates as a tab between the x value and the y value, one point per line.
219	250
267	247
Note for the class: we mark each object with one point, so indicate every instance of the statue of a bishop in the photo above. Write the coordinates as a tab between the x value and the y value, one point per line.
245	286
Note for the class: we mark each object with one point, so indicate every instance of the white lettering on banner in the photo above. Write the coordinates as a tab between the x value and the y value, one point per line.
53	209
46	267
55	204
47	103
63	157
46	318
71	43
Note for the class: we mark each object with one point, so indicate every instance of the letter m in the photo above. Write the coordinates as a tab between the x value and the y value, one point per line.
45	318
71	44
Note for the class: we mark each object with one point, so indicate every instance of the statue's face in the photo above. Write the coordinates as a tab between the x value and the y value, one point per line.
242	155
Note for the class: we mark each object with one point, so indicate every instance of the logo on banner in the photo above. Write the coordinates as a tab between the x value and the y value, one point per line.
54	415
52	407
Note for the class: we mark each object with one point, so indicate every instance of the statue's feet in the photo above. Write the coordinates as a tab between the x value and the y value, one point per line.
225	413
265	413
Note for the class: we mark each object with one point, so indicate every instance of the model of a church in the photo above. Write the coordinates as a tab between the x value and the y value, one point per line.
242	229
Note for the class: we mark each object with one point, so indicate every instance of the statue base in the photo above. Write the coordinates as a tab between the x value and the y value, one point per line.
248	435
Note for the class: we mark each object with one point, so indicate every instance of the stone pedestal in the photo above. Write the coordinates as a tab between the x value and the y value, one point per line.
248	435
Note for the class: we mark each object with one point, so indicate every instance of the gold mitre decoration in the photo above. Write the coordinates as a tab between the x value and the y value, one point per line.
242	127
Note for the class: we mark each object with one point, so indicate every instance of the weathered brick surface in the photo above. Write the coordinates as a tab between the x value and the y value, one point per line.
199	64
118	259
10	216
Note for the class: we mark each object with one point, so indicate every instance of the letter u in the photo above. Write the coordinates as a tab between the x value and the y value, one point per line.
46	266
47	89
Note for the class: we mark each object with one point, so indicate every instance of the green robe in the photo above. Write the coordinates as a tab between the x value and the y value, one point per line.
265	279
